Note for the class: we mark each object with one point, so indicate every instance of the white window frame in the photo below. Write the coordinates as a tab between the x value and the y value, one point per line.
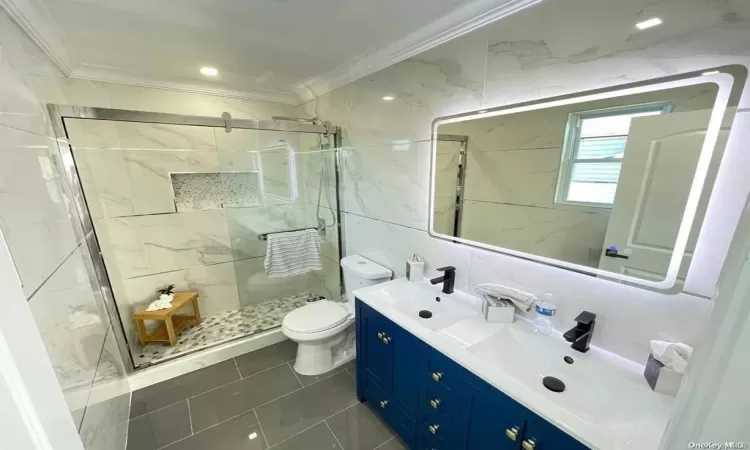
572	141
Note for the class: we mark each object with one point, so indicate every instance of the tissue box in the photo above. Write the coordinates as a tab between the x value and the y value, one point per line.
498	311
663	380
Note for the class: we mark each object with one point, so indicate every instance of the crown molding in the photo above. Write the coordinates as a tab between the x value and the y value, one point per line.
457	23
104	75
37	22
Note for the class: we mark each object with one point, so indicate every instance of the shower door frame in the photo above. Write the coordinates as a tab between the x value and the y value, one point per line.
66	163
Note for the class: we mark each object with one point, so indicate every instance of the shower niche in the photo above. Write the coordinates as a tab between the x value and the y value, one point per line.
215	190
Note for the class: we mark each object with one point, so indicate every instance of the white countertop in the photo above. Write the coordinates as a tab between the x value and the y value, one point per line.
607	403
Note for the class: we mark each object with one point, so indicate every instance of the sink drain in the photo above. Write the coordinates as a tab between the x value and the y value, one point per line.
553	384
425	314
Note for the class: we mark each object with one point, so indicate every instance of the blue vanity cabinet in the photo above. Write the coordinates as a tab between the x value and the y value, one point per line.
433	403
545	436
488	419
387	370
376	336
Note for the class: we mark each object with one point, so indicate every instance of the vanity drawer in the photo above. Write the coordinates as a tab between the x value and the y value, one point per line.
439	370
436	434
390	411
437	402
429	442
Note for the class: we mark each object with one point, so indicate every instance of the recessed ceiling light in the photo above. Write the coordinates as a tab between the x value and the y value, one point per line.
209	71
710	72
654	21
388	98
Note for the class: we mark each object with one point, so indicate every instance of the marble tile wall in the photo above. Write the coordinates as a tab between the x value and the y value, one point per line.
525	57
38	220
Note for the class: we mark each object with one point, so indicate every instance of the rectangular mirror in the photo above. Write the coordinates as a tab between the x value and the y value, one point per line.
613	182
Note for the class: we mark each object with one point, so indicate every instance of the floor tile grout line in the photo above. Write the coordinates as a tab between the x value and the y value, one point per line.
190	418
315	424
303	387
210	390
333	434
201	431
239	372
257	406
389	440
295	374
262	433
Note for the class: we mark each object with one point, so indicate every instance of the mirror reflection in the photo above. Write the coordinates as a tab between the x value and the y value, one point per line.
601	184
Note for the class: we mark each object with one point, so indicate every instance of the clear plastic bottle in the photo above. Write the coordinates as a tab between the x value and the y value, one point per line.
545	309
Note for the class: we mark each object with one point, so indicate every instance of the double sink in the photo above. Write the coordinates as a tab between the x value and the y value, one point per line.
605	396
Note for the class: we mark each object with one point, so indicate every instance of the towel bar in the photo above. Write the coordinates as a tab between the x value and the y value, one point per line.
264	236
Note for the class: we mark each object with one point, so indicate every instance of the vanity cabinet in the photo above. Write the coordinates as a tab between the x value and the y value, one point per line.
433	402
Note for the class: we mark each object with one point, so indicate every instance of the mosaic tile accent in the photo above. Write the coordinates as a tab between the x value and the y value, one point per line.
224	327
201	191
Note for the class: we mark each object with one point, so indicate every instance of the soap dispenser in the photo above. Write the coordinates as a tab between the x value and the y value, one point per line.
415	268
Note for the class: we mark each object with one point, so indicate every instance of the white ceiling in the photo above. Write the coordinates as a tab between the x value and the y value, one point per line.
279	50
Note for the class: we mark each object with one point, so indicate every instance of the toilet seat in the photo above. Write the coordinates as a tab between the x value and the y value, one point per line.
316	317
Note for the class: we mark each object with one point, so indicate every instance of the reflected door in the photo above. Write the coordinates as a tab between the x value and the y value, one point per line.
659	166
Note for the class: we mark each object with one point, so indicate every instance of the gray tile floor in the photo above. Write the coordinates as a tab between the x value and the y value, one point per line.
257	401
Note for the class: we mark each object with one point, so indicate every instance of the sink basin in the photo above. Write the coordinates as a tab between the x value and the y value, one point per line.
409	299
593	382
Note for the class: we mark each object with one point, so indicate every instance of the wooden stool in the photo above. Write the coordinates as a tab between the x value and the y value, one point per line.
173	323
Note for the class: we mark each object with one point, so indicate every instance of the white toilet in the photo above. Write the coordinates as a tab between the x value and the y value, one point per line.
324	330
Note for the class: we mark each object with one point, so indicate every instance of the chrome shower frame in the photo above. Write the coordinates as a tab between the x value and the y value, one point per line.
66	166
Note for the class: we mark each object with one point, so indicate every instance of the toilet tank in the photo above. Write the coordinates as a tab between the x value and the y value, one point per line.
360	272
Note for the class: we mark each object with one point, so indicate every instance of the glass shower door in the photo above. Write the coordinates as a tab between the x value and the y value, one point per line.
185	205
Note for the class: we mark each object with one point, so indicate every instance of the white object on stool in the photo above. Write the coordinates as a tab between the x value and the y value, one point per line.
164	302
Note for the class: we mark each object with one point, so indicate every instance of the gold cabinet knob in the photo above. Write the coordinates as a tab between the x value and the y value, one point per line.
381	335
512	433
384	404
437	376
386	339
435	402
433	428
529	444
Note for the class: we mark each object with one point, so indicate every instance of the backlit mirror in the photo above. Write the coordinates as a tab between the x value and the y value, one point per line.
612	182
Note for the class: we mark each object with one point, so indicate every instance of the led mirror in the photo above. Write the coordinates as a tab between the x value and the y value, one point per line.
613	182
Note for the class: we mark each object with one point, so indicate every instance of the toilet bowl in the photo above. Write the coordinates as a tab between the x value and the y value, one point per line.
324	330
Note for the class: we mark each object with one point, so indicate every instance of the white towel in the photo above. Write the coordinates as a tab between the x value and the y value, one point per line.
523	300
293	253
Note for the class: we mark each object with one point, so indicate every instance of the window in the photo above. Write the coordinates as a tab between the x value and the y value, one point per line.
594	148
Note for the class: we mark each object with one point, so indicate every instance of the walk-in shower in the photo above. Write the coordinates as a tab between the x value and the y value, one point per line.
187	201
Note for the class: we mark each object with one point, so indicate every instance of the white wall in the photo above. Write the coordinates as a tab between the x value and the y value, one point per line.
524	57
49	249
51	254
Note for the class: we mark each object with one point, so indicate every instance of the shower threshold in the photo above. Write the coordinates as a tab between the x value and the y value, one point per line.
223	327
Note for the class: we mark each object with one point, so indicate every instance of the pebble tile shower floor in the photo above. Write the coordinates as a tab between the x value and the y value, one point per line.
254	402
224	327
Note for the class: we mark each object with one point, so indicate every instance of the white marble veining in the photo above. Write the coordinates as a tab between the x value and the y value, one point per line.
607	403
73	324
390	182
105	420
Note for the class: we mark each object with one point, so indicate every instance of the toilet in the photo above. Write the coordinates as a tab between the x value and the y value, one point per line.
324	330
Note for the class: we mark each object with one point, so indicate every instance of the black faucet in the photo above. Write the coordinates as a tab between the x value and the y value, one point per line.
448	280
581	334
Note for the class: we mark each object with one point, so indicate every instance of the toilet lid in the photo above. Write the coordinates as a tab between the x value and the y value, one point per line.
318	316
